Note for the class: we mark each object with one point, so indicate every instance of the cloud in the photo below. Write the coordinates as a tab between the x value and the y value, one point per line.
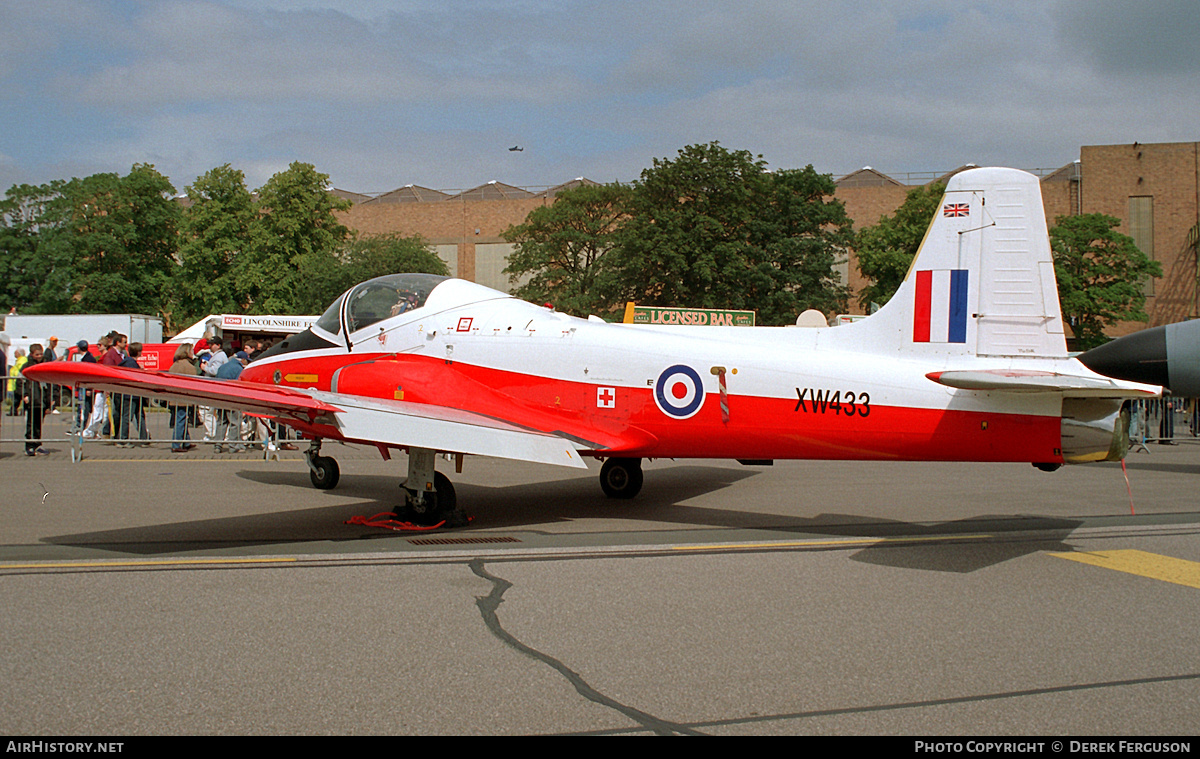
1134	39
379	94
201	52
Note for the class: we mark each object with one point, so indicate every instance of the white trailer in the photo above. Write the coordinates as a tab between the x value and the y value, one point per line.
71	328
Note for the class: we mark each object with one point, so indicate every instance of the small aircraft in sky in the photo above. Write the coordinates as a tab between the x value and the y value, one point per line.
966	362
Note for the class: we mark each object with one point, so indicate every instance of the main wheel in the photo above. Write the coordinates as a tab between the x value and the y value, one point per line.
446	498
324	472
621	478
438	506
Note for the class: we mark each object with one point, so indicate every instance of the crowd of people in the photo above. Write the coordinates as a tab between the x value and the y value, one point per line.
122	418
227	430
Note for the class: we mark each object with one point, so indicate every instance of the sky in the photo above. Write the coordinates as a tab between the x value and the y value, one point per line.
379	94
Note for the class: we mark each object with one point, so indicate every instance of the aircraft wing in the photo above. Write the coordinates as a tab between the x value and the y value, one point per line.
1028	381
353	418
402	423
275	402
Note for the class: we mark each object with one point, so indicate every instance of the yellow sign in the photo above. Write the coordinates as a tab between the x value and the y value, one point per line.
697	317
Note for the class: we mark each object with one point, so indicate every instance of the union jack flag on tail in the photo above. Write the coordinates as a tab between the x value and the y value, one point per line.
956	209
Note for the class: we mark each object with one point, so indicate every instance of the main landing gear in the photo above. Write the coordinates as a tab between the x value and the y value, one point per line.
621	478
428	494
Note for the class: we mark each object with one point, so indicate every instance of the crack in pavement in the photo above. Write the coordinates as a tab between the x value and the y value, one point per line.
488	606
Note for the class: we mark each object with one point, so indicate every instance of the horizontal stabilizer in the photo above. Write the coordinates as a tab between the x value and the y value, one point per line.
1029	381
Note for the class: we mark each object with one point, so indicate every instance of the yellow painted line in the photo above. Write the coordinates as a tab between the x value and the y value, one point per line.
821	543
1143	563
147	563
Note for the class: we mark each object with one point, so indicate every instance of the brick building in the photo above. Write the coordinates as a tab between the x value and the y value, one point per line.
463	228
1154	189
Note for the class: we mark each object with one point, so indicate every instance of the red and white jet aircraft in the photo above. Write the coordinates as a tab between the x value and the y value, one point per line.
967	362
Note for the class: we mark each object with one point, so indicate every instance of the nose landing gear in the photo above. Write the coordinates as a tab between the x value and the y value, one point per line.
322	470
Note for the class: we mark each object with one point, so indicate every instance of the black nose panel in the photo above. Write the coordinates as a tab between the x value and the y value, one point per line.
1140	357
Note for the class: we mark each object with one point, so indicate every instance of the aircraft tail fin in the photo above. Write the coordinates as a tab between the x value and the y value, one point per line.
982	281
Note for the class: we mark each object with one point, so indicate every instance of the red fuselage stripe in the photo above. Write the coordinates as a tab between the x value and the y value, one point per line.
809	425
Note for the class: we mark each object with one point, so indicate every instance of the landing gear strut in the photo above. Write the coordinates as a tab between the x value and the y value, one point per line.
429	496
322	470
621	478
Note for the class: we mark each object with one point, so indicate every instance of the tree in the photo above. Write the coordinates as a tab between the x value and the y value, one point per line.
1100	273
364	258
216	234
560	247
714	229
886	250
376	255
107	243
801	235
295	241
22	270
360	259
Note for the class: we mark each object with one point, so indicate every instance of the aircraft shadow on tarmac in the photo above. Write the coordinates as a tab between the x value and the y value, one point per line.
974	554
528	505
508	507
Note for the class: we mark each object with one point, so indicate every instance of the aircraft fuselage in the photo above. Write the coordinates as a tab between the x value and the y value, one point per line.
656	392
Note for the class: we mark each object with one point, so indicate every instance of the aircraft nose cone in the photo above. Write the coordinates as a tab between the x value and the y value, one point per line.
1140	357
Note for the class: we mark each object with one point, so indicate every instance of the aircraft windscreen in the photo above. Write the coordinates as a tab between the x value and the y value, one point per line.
330	321
388	296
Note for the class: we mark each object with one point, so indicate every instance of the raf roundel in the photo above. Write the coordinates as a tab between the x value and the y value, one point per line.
679	392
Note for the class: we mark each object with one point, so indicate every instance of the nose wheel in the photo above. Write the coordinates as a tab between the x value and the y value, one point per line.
621	478
323	471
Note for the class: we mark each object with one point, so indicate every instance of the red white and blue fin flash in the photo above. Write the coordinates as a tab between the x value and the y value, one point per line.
940	307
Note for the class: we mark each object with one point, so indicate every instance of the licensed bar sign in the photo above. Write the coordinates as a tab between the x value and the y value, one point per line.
694	317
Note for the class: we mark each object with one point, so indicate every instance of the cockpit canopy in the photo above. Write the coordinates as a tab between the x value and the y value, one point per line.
378	299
